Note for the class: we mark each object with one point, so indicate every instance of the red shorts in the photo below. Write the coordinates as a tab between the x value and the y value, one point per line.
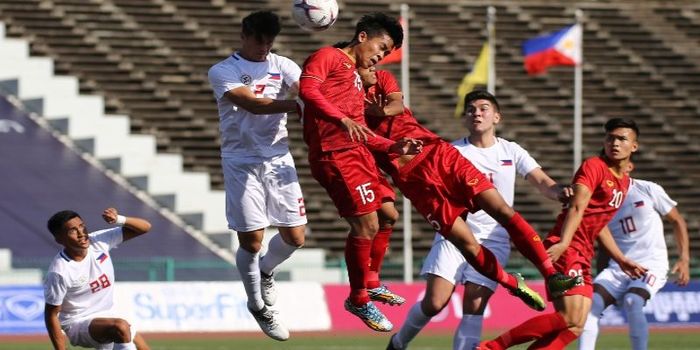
351	179
573	263
441	185
385	191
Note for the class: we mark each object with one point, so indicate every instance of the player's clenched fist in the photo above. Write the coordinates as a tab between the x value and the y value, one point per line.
110	215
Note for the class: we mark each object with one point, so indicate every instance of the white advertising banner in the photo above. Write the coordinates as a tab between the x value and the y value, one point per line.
216	306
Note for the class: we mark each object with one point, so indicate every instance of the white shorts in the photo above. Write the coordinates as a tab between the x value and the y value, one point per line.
617	283
261	194
446	261
78	332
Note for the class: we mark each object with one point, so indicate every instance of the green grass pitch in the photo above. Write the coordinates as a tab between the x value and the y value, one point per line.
659	340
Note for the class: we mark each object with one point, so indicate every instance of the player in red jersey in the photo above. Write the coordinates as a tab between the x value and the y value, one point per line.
332	109
600	186
443	186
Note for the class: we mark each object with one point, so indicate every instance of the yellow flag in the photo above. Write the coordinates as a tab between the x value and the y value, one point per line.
478	76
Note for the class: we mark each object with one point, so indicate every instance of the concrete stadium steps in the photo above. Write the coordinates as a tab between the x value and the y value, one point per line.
107	137
634	67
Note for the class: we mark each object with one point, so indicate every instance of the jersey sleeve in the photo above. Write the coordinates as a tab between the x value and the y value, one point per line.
589	174
524	163
316	69
387	83
663	204
55	289
223	81
109	238
290	71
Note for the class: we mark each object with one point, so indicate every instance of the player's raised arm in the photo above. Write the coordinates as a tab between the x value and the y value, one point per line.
53	326
548	187
131	226
245	99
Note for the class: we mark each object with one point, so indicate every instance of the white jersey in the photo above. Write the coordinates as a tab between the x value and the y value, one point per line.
499	163
637	227
244	134
83	288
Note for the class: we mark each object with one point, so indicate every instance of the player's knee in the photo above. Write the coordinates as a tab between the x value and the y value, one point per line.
368	229
632	302
432	305
387	218
122	331
297	240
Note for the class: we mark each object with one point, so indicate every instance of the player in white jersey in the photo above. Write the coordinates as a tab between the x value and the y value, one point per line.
262	188
445	266
638	231
79	283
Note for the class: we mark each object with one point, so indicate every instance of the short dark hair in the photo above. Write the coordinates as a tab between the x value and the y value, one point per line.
56	222
481	95
261	24
377	23
616	123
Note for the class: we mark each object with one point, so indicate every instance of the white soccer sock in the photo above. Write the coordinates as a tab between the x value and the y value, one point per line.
468	332
415	321
124	346
249	270
639	330
590	330
277	252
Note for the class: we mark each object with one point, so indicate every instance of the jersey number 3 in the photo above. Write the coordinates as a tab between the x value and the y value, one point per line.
100	283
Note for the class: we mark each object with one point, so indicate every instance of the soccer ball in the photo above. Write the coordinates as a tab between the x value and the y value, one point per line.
315	15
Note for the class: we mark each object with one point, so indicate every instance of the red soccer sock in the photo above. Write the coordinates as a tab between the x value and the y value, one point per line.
529	244
554	341
534	328
487	264
357	251
380	244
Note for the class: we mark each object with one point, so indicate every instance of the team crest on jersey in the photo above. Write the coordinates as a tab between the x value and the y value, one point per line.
246	79
347	65
473	182
610	183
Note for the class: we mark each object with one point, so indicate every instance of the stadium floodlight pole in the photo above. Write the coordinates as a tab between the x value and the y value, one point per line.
407	227
578	97
491	40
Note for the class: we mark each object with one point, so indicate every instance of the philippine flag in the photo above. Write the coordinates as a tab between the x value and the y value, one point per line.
506	162
638	204
562	48
102	258
274	76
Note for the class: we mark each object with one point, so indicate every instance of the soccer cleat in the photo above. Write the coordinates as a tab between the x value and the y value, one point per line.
268	288
384	295
370	315
391	345
270	325
527	295
559	283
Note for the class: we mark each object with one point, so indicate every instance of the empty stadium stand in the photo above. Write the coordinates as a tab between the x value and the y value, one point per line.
148	59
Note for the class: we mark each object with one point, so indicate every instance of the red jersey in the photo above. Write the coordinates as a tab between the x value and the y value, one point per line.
395	127
330	89
608	191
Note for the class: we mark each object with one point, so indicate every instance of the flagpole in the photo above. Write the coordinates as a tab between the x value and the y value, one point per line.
578	99
491	39
405	87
